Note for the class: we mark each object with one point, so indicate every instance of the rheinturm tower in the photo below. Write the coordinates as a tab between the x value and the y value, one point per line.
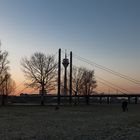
65	64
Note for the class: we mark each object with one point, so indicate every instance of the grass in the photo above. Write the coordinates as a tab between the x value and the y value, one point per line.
96	122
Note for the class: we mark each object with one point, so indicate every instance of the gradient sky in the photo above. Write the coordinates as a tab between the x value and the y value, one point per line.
104	31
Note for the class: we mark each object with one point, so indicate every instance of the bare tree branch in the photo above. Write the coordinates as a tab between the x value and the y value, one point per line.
40	70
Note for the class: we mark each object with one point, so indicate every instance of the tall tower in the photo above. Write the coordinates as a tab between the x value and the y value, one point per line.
65	64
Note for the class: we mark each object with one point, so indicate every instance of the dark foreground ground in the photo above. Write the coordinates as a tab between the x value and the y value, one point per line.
96	122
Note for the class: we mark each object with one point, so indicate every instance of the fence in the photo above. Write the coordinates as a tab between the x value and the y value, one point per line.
65	100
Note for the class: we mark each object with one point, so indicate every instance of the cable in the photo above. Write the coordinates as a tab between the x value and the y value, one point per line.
108	70
19	85
113	84
33	90
111	87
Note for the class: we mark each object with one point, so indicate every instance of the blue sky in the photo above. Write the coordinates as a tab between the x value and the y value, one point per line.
104	31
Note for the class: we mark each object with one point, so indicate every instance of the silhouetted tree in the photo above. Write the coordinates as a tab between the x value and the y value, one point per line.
84	82
77	78
8	86
88	84
6	83
3	66
41	71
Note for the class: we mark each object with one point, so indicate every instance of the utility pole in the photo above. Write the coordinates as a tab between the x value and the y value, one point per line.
59	76
70	99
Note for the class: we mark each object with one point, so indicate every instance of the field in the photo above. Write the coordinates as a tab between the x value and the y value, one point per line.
96	122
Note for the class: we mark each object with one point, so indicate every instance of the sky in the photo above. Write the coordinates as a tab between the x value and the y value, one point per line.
106	32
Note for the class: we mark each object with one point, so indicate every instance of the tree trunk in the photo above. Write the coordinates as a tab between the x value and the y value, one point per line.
87	99
75	102
42	95
3	100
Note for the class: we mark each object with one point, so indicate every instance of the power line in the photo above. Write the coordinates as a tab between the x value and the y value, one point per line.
116	86
24	88
98	90
113	84
108	70
111	87
33	90
21	83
